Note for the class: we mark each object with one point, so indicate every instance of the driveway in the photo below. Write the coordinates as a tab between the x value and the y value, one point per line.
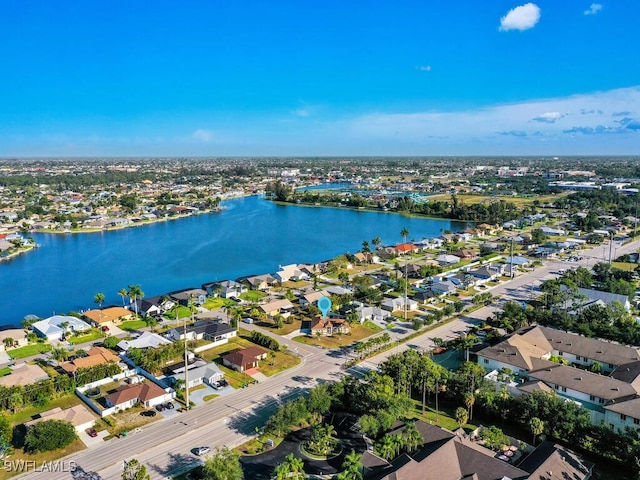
93	442
261	467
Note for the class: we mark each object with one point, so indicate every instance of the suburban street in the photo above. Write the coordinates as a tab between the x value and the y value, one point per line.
165	446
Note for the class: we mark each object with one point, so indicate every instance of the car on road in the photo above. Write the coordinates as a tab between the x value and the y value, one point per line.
148	413
92	432
201	451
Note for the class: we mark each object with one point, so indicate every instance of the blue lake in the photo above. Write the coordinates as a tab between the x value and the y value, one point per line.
250	236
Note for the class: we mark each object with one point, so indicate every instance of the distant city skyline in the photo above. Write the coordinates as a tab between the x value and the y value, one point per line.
290	78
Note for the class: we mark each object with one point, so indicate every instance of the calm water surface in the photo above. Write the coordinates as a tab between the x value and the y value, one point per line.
251	236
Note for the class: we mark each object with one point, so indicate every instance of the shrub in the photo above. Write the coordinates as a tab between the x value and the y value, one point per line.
49	435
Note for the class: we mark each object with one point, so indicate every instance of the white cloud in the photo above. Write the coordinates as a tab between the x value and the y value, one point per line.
202	135
492	126
548	117
521	18
593	9
424	68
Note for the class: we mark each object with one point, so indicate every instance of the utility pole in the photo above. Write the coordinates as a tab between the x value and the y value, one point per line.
186	357
511	269
610	246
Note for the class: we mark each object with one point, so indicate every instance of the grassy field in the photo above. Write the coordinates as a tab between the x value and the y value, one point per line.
214	303
252	296
520	201
281	362
358	332
132	325
5	371
27	412
30	350
627	267
90	337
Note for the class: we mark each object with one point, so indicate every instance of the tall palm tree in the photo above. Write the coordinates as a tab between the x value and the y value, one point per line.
536	426
123	292
351	467
412	437
377	241
405	233
98	299
469	401
134	293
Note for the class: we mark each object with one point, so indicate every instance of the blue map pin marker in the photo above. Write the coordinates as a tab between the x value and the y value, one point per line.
324	304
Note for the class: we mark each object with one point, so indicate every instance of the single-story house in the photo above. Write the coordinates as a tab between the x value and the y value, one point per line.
95	356
374	314
79	416
212	331
312	298
424	296
154	306
290	272
225	288
485	274
515	260
465	254
329	326
337	290
184	297
209	374
55	327
447	260
399	303
17	335
444	287
147	393
145	340
404	248
23	374
108	316
278	307
244	359
260	282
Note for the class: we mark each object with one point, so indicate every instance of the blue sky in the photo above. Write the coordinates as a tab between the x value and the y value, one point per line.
306	78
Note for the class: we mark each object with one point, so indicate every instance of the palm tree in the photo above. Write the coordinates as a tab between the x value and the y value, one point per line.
413	438
134	293
469	400
461	415
376	242
352	467
98	299
60	354
123	292
387	448
537	427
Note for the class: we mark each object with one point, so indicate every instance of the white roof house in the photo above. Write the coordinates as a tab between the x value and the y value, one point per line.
51	328
146	340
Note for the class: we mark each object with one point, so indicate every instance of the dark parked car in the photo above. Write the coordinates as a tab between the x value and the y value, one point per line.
160	407
148	413
169	406
92	432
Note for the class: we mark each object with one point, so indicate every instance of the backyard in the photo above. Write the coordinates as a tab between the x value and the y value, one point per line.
358	332
30	350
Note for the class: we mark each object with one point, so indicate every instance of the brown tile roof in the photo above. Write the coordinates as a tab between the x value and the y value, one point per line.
95	356
24	374
142	391
76	415
245	356
554	462
107	315
584	381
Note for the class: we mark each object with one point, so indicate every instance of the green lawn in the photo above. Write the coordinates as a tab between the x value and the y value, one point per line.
29	350
252	295
27	412
217	302
358	332
132	325
178	312
5	371
283	361
90	337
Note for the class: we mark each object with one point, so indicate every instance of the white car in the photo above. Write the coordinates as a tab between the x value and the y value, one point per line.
201	451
